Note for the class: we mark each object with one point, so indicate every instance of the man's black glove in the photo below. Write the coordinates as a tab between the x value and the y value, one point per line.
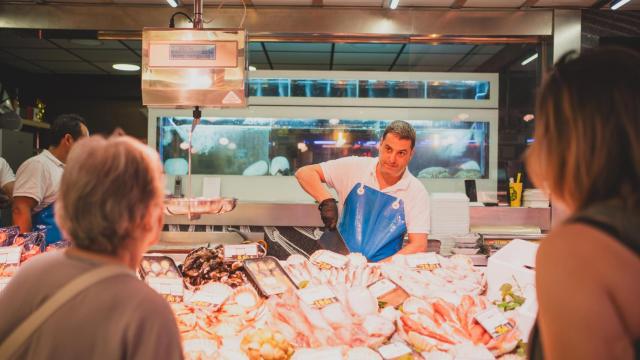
329	213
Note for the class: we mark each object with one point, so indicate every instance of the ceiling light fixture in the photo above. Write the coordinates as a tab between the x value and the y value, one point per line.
393	4
617	4
529	59
126	67
174	3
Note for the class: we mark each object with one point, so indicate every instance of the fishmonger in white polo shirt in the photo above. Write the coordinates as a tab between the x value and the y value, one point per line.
380	199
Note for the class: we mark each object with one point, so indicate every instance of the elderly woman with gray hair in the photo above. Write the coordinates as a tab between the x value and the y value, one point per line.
86	302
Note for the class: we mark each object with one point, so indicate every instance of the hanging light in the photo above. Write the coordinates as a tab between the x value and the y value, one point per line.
529	59
617	4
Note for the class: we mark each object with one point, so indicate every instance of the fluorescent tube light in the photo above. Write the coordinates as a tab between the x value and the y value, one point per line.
530	59
617	5
173	3
126	67
393	4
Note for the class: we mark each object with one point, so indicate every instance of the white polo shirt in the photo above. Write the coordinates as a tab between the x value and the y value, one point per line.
39	178
343	174
6	174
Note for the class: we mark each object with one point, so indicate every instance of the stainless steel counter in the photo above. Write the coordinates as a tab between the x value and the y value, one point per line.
271	214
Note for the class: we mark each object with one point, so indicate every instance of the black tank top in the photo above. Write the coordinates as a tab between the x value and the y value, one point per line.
619	222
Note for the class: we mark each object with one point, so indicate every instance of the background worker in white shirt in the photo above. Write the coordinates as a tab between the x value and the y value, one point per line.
38	178
7	179
381	200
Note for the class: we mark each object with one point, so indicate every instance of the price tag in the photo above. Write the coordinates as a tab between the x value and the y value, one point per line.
394	350
494	322
271	286
423	261
170	288
328	259
382	287
240	252
317	296
10	254
204	296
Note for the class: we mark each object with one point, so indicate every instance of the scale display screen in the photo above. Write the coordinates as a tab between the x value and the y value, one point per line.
192	52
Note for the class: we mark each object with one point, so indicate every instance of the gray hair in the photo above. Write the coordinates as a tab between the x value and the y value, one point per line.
403	130
108	187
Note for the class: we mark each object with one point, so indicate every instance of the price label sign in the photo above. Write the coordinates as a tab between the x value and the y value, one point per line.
10	254
207	297
494	322
318	296
272	286
423	261
328	259
394	350
382	287
9	263
170	288
240	252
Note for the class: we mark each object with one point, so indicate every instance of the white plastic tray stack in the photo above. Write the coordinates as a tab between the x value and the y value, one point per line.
449	217
535	198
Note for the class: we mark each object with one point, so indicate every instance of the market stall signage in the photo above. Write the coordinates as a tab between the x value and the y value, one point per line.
318	296
423	261
494	322
394	350
240	252
328	260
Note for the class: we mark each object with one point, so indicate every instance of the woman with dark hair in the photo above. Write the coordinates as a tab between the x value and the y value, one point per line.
586	154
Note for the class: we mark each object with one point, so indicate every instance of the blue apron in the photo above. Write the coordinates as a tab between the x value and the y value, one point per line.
372	222
46	218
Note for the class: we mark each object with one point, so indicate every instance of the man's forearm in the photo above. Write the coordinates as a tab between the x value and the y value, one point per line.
22	218
312	184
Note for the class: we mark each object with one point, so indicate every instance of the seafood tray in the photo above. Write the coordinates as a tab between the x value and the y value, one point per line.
157	266
199	206
268	276
204	265
162	275
435	325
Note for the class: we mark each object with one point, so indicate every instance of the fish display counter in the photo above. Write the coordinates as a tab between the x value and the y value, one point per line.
233	301
331	306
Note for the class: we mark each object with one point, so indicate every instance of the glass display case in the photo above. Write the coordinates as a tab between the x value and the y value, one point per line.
388	89
280	146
